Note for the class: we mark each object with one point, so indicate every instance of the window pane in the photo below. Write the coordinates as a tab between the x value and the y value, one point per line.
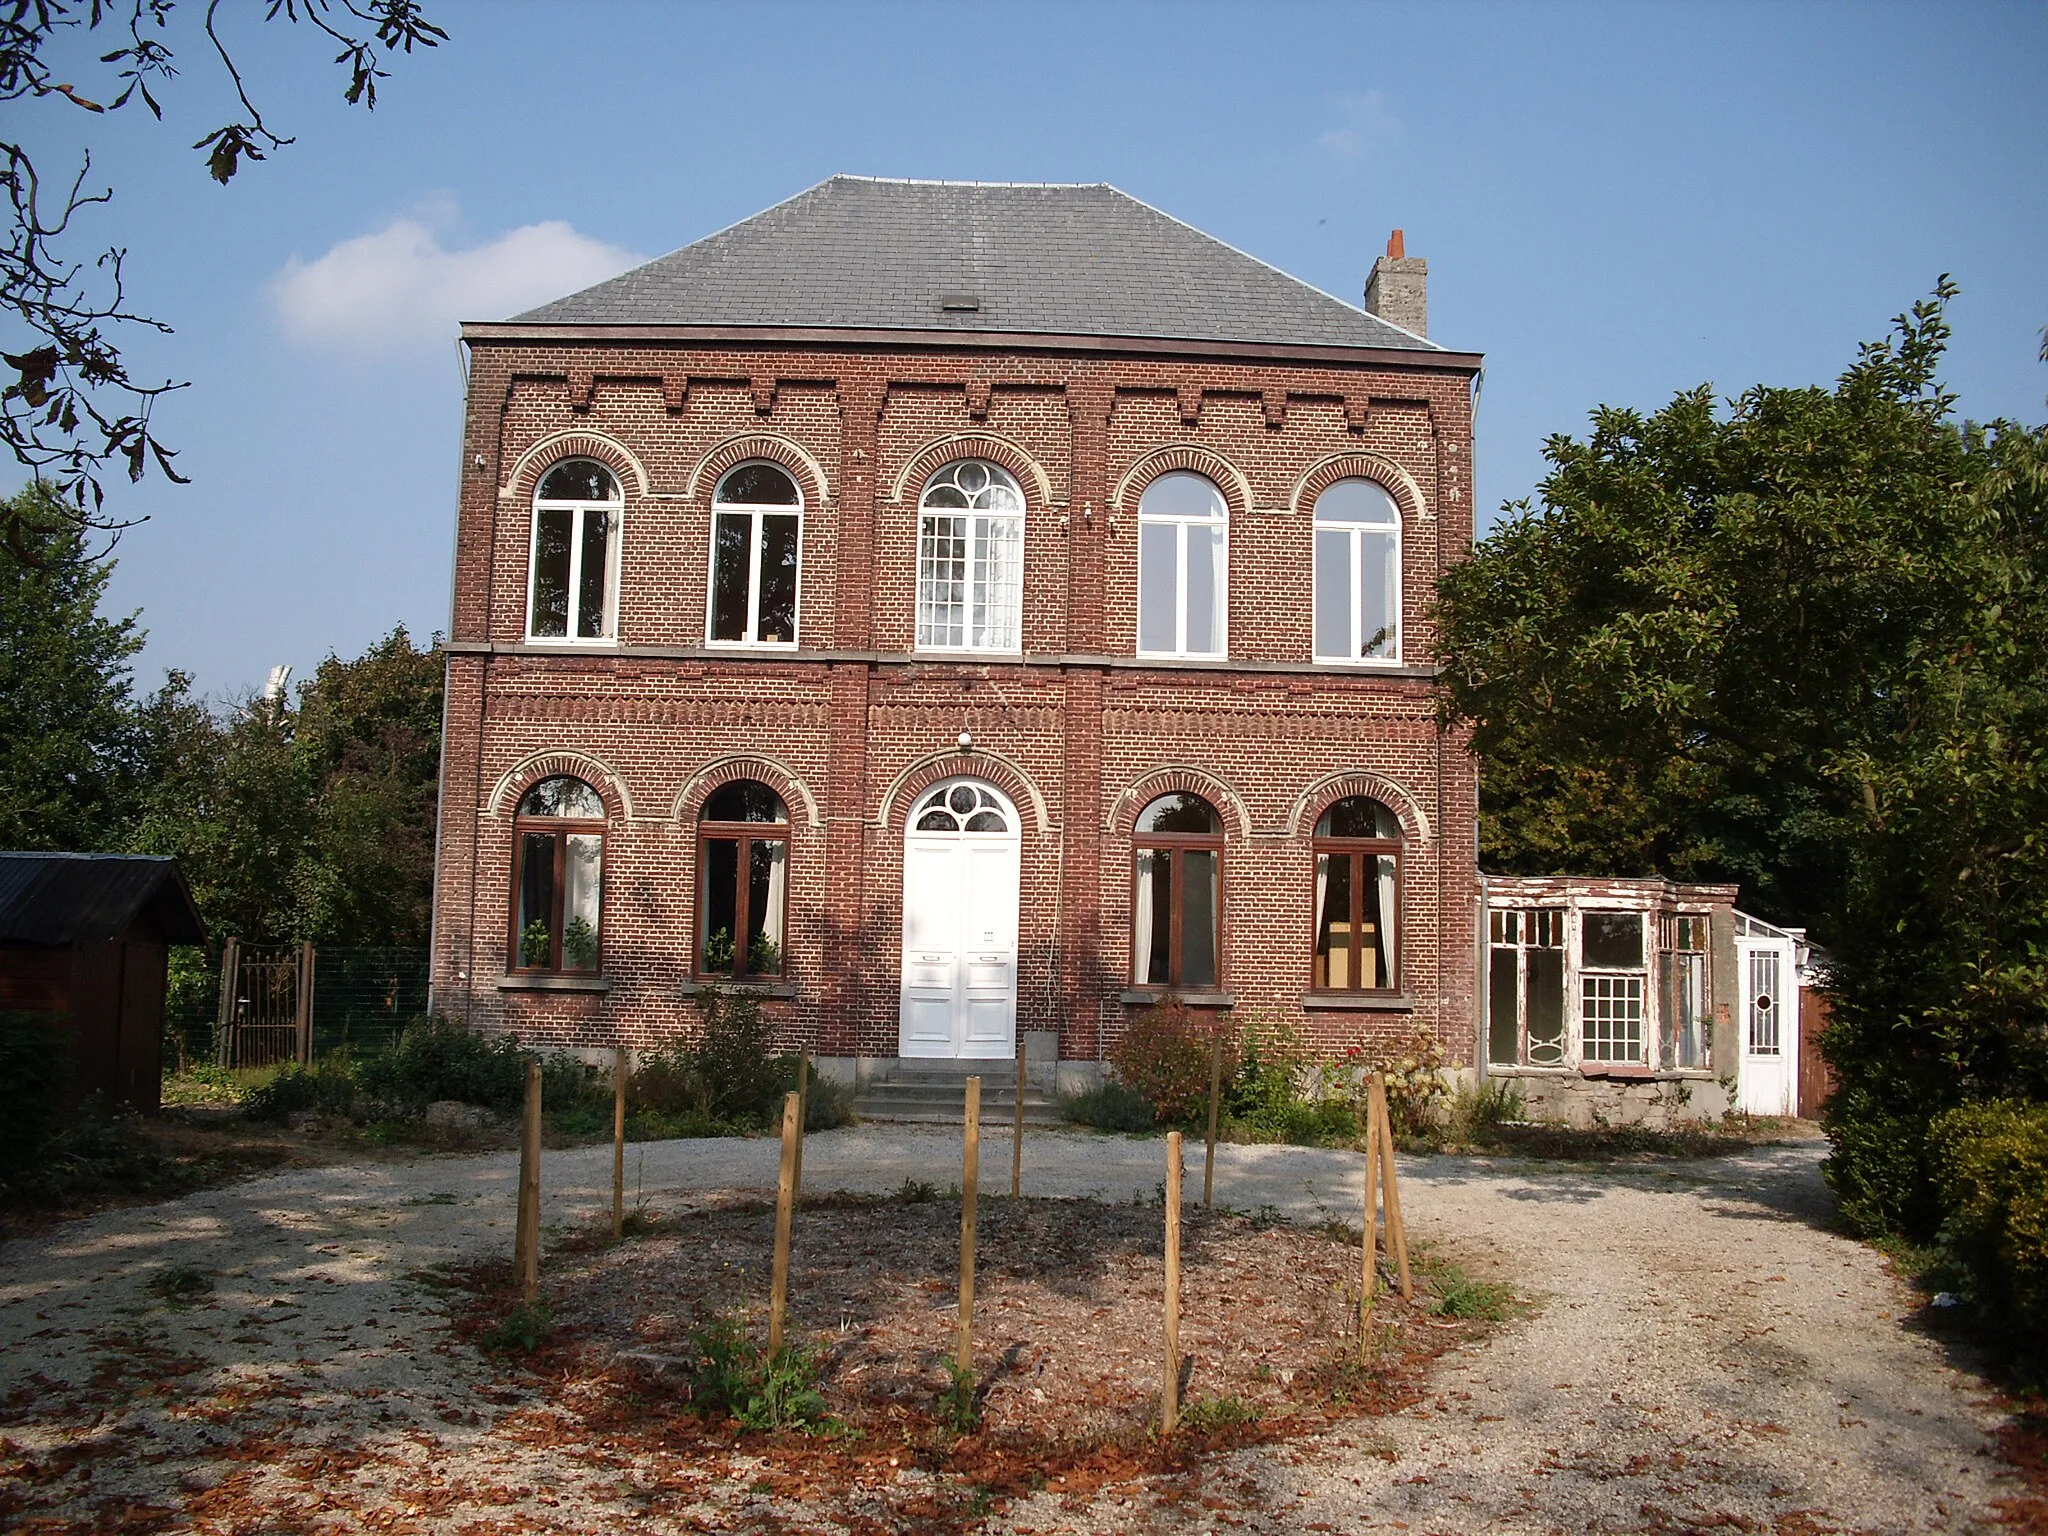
1694	1046
998	572
562	796
1611	1009
1336	946
1362	816
590	614
1198	936
1379	605
578	480
1333	591
1357	501
720	902
767	865
1545	1008
778	578
744	800
1503	1027
1205	591
1613	941
1180	812
1158	586
1379	921
551	573
730	575
758	485
537	899
1182	493
582	871
942	583
1152	917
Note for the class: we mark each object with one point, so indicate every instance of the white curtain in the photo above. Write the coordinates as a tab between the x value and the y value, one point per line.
778	874
1141	936
999	599
1322	899
1386	887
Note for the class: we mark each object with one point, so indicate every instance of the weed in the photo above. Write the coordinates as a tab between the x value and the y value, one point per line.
960	1403
1111	1107
733	1377
1205	1415
180	1282
917	1192
438	1197
1460	1296
523	1328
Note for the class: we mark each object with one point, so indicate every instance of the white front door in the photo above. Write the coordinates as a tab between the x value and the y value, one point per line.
960	867
1769	1082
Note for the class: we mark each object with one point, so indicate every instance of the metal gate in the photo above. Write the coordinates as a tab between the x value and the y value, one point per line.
266	1005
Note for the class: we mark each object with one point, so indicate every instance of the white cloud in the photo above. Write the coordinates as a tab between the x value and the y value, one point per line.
1368	125
401	289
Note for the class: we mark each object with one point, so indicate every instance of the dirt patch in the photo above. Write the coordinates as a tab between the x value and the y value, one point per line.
1068	1352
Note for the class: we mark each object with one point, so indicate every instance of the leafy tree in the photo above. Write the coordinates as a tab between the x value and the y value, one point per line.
72	407
70	750
1666	663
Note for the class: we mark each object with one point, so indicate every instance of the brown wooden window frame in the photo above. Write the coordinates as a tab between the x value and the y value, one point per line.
745	834
558	829
1172	842
1357	850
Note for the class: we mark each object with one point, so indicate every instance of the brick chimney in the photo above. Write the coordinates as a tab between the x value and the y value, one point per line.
1398	290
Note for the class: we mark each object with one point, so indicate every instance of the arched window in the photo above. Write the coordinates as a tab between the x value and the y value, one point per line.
1358	573
757	520
970	559
1358	898
1177	904
572	587
743	882
961	808
1183	567
558	875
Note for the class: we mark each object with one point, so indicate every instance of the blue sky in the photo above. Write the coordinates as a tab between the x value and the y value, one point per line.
1617	202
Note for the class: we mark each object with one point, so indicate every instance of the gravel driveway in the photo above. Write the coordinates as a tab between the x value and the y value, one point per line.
1704	1353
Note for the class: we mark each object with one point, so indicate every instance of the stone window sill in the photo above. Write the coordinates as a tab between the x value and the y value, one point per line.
689	986
521	981
1362	1002
1618	1071
1147	997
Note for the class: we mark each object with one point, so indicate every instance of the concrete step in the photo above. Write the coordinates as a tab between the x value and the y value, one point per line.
940	1098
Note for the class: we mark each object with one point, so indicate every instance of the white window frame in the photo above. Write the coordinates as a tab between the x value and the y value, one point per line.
751	641
1353	531
1618	981
578	511
1180	525
977	541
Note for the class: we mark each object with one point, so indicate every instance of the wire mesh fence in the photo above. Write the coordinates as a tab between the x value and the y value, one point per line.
361	999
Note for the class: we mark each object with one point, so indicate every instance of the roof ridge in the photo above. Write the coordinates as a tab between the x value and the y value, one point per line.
1356	309
938	181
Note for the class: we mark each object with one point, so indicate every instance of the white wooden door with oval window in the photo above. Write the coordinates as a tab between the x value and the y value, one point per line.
1769	1082
960	867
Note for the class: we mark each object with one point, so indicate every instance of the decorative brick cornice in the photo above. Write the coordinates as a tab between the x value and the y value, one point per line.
576	443
1236	488
1358	464
792	456
1178	778
1309	806
777	776
990	767
597	774
932	457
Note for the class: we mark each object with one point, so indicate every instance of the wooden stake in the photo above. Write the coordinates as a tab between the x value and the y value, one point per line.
526	1241
1397	1230
1215	1097
619	1144
1368	1271
1017	1131
305	1017
1169	1397
803	1106
970	1185
785	1199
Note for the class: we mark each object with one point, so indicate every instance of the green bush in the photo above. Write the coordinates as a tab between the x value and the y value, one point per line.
1112	1107
739	1079
434	1059
1990	1165
35	1078
328	1086
1164	1055
732	1377
1474	1116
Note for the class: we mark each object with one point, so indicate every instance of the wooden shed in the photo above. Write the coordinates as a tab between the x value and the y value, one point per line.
85	938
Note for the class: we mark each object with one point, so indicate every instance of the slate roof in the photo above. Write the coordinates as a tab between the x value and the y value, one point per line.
1068	260
84	898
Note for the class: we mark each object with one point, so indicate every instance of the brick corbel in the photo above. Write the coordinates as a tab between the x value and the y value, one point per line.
764	389
582	385
675	392
1190	404
1275	402
978	391
1356	409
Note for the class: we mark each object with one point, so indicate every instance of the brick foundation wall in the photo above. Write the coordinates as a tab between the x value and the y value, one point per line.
848	726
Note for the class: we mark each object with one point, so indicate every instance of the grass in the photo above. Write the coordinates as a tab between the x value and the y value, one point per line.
1459	1294
180	1283
1207	1415
523	1329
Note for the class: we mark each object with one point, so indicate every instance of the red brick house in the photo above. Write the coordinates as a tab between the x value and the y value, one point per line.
954	610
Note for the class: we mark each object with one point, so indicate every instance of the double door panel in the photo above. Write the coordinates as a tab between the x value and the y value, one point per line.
959	947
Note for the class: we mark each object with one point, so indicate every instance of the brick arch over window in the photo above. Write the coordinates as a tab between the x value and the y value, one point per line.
933	457
1178	778
1237	490
577	765
1324	473
921	775
777	776
791	455
1326	792
573	444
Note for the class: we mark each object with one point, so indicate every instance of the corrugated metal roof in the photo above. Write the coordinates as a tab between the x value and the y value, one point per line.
85	898
1065	260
